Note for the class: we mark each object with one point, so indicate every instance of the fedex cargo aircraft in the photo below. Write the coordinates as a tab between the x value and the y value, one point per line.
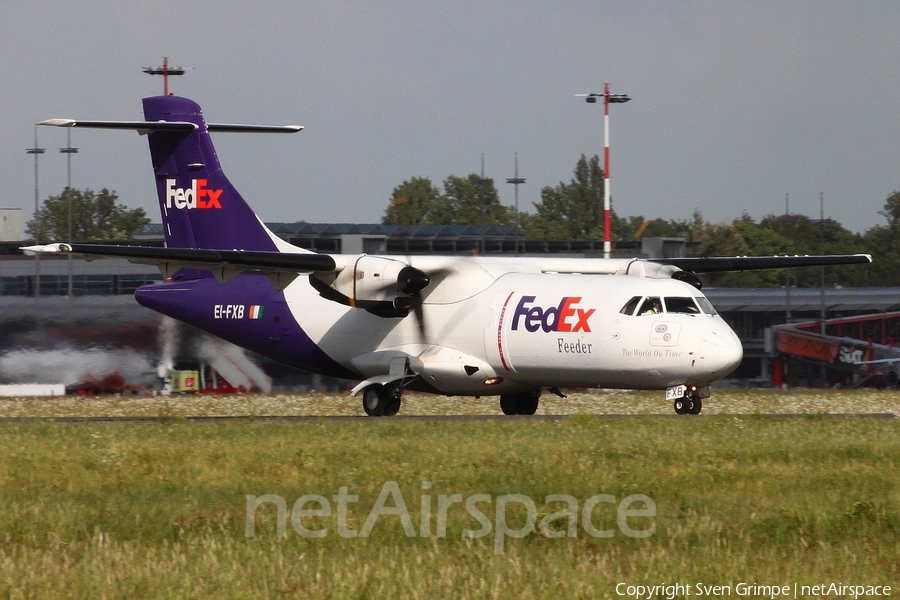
481	326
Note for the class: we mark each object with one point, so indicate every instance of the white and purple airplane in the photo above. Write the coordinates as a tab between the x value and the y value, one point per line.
472	326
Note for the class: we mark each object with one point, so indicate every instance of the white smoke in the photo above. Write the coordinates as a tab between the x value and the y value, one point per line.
233	363
168	346
71	366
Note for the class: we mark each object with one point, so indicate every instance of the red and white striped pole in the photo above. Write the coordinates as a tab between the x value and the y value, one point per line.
607	243
607	100
165	75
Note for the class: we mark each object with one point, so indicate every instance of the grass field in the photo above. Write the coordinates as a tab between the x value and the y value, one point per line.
725	401
159	509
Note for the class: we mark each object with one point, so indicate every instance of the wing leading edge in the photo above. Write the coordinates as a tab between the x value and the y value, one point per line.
199	258
312	262
717	264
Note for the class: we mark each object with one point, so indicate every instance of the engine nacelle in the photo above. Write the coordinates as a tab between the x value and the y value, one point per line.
371	278
383	286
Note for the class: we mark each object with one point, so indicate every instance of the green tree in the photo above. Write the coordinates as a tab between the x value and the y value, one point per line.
474	201
467	200
782	234
883	243
95	216
574	210
814	237
891	211
745	237
417	201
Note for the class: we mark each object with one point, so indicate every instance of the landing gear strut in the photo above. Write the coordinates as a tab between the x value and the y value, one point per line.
520	404
381	400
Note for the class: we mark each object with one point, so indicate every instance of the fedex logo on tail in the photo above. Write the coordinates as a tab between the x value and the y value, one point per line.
565	317
196	196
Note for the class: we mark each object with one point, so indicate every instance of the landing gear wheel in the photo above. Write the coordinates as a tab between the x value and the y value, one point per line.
696	405
374	400
682	405
508	404
528	403
393	405
520	404
381	401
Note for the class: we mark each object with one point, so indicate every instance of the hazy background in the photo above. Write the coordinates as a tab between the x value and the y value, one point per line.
734	103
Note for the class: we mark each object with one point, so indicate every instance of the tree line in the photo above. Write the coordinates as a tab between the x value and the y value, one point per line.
95	216
570	210
573	210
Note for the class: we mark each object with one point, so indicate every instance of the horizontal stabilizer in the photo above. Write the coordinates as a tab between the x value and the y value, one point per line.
235	128
135	125
172	126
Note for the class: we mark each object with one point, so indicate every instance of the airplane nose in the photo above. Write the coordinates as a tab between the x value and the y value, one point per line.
722	351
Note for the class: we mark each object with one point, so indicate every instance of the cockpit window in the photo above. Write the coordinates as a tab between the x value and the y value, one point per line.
684	305
651	306
706	306
629	307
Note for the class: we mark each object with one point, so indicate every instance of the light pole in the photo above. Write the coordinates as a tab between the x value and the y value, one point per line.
37	151
69	151
822	268
165	70
516	181
607	100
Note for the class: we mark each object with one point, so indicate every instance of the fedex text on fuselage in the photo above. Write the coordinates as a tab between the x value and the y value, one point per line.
565	317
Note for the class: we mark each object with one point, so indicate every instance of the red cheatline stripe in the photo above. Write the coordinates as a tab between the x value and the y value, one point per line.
500	333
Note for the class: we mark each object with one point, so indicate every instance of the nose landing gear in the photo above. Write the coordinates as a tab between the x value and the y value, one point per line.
687	399
688	405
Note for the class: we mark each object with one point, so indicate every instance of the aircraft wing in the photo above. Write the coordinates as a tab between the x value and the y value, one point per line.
312	262
718	264
240	260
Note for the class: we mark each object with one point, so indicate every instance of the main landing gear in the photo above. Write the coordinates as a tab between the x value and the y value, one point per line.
520	404
381	400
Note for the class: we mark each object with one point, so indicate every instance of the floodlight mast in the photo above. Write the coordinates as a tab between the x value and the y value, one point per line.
165	70
516	181
607	100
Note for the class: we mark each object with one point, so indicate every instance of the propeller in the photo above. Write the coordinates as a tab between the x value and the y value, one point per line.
411	281
382	286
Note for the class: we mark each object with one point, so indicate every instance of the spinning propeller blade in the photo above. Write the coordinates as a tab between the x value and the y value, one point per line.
412	281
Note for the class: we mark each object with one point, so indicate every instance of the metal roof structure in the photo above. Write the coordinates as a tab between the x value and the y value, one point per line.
337	229
873	299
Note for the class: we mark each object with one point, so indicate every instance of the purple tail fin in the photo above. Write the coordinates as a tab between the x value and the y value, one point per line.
200	208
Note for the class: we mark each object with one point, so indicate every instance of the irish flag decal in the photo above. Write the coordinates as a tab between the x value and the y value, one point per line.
256	311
